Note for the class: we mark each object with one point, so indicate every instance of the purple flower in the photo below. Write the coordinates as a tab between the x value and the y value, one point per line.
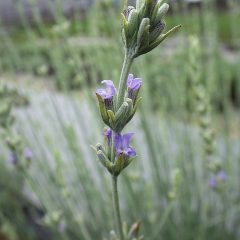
28	154
122	145
133	85
108	135
108	92
62	227
12	158
212	182
222	176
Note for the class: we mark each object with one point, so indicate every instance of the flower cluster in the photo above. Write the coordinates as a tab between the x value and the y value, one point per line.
122	151
143	26
202	109
14	157
217	180
115	118
117	153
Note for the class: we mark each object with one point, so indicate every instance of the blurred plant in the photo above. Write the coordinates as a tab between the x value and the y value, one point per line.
142	29
203	110
12	180
19	156
7	229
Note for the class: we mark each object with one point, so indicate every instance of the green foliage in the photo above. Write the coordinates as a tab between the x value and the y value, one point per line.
71	53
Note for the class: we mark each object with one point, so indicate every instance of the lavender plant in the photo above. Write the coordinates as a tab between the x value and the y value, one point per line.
203	111
12	180
19	155
142	31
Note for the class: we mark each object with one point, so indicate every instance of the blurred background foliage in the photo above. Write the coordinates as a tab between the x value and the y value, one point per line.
54	55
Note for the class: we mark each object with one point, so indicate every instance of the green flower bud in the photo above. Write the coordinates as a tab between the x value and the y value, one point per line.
162	11
105	161
139	4
142	27
102	109
143	33
133	21
122	111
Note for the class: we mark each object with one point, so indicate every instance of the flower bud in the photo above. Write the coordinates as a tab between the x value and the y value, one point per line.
162	11
143	33
157	30
142	27
106	101
133	22
122	111
133	87
105	161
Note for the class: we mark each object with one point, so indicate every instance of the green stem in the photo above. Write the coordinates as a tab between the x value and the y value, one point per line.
123	79
117	208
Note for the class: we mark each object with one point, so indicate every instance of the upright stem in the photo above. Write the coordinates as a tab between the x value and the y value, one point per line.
117	208
123	79
120	98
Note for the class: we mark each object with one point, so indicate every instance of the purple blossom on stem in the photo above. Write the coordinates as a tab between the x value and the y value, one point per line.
122	145
107	93
28	154
133	85
108	135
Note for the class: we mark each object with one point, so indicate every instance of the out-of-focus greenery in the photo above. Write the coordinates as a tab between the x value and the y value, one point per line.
71	52
74	189
71	189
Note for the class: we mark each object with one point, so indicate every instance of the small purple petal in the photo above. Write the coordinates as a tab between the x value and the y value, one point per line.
109	90
108	135
101	92
118	141
62	226
28	154
108	83
126	138
133	83
212	182
130	79
222	176
122	144
131	152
